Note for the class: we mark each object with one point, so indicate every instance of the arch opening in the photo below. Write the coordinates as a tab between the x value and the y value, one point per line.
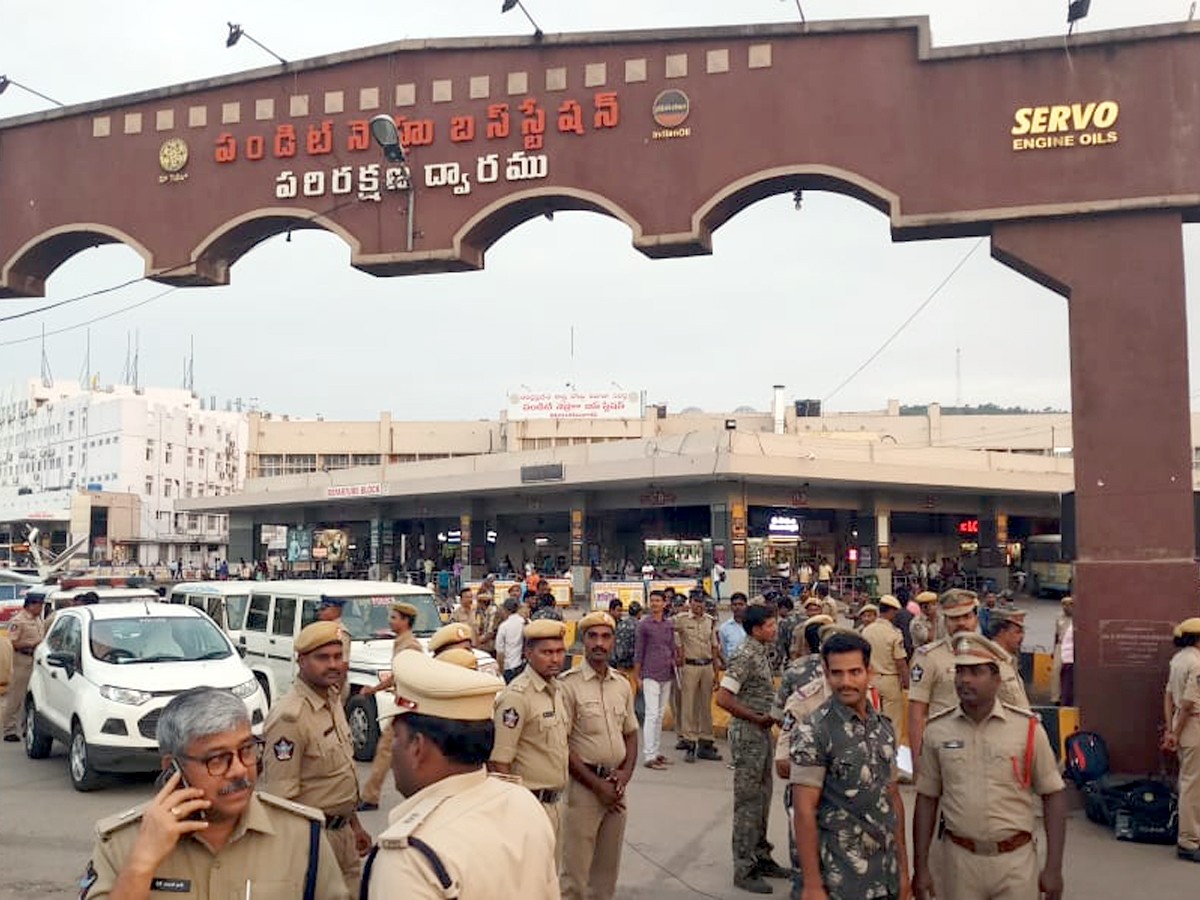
26	272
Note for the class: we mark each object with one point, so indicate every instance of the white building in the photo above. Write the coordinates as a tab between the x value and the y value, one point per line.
65	450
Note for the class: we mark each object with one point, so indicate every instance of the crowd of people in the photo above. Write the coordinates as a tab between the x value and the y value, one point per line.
516	786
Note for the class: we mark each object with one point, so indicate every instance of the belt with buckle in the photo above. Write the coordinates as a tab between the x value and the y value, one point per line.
546	795
599	771
699	662
989	848
24	651
333	823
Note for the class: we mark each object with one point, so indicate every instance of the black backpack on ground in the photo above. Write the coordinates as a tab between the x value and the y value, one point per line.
1142	809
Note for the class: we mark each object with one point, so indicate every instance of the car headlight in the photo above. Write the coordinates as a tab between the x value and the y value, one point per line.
124	695
246	688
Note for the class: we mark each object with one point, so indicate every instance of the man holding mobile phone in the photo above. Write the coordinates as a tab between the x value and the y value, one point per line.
208	832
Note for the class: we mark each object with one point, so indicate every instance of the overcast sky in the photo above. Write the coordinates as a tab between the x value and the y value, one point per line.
797	298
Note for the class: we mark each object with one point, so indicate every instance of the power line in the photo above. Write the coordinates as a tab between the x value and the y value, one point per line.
84	324
895	334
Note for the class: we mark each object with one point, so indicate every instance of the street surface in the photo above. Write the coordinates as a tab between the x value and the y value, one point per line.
677	842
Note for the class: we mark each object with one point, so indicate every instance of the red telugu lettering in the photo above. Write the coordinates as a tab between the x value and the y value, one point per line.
608	111
256	147
285	141
570	117
462	128
533	126
360	135
498	121
320	138
416	132
226	151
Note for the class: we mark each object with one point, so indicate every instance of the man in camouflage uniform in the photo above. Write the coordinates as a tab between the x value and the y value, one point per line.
849	818
747	694
790	619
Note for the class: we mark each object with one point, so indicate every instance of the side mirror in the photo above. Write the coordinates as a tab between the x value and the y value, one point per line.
62	661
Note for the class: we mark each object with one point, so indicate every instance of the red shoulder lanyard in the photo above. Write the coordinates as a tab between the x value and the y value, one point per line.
1026	780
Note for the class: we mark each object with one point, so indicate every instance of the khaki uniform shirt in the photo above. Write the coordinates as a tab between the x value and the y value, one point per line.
801	692
493	839
977	771
6	663
268	850
697	636
531	732
309	756
1012	688
887	646
26	631
932	677
1184	676
599	711
406	641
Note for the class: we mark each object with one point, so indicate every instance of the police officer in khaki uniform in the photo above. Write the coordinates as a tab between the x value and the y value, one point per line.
926	627
889	660
208	833
456	634
460	832
1182	709
1007	629
531	727
931	682
698	659
309	756
603	748
25	630
6	661
985	762
401	618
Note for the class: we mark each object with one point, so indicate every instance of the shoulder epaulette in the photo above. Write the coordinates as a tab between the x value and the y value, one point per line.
289	707
574	670
932	645
944	712
397	834
106	827
291	806
1029	714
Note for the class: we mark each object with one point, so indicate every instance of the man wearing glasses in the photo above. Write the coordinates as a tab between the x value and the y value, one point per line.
208	832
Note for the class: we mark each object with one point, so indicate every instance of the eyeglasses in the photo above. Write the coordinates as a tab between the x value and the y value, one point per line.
249	754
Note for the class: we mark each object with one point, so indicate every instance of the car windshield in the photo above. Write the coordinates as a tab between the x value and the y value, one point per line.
366	618
147	639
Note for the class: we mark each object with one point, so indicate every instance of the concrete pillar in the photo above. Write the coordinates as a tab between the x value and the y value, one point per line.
991	547
241	536
578	538
1123	277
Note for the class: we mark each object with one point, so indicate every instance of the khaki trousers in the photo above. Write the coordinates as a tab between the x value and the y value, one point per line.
592	838
1189	797
342	842
892	697
696	715
554	812
14	700
1005	876
380	765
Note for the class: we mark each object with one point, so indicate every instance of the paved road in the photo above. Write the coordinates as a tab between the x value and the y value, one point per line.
677	843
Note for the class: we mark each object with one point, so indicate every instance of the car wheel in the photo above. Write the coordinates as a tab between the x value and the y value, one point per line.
266	689
364	727
37	742
79	763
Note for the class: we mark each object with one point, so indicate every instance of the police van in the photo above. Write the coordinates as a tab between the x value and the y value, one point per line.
276	611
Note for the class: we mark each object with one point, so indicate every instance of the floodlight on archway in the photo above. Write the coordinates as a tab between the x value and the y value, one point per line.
237	32
510	4
5	81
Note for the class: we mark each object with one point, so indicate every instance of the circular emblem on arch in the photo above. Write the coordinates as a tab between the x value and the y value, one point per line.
173	154
671	108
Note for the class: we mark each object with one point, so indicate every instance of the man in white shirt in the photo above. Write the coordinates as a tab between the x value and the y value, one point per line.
718	576
510	641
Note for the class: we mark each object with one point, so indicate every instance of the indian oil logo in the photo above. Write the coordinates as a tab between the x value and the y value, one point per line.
1075	125
670	111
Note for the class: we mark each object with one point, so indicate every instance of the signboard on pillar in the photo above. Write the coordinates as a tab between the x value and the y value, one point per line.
737	531
464	548
577	537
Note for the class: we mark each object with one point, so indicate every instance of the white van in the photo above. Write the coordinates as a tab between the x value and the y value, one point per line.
279	609
224	601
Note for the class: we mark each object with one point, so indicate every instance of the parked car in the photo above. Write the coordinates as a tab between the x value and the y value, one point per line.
104	673
224	601
278	610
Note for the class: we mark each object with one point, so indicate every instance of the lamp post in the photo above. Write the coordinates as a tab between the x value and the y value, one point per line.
387	136
510	4
5	82
237	32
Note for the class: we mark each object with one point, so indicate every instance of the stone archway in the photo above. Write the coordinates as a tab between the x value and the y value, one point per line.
1081	170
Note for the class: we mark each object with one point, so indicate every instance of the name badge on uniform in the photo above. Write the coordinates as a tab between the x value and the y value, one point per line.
952	745
548	714
171	885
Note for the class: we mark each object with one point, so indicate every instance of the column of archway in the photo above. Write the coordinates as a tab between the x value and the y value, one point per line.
1123	277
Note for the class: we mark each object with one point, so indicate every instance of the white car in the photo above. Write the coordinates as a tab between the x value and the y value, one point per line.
279	609
104	673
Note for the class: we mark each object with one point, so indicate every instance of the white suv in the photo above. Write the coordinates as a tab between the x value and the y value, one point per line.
104	673
279	609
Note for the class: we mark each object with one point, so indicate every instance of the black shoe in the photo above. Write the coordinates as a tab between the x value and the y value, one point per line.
1181	852
708	751
690	756
367	806
768	868
12	738
681	744
752	883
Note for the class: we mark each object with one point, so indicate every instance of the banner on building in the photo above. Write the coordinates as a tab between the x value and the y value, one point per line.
574	405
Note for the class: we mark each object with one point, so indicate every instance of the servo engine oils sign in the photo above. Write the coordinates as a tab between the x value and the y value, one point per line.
1090	124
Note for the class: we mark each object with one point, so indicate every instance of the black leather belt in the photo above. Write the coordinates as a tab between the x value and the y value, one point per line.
24	651
333	823
599	771
545	795
699	662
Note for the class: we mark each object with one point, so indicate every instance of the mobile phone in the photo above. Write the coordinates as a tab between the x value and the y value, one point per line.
165	776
